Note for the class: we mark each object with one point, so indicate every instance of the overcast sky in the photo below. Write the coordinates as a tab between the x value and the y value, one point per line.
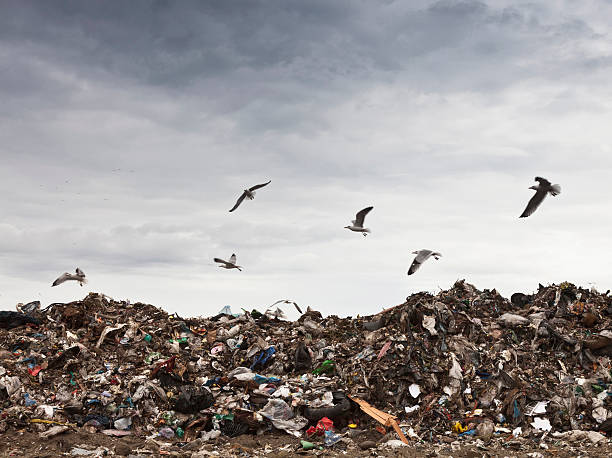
128	130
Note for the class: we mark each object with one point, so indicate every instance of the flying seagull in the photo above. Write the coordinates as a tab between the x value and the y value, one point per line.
79	276
357	225
250	193
541	190
231	264
421	257
287	301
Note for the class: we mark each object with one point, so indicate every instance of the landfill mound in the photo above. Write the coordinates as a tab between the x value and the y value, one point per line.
438	371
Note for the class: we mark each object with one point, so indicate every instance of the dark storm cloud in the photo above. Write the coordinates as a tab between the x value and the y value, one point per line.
312	44
173	43
270	66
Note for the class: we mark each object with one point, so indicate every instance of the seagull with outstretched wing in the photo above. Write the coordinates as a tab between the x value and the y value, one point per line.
542	190
250	193
231	264
421	257
79	276
357	225
287	301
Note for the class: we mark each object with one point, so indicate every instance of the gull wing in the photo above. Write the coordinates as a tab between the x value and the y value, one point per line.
423	255
232	259
534	202
61	279
257	186
419	259
414	266
220	261
360	217
287	301
238	202
79	272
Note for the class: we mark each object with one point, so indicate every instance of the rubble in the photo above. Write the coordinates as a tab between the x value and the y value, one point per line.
461	368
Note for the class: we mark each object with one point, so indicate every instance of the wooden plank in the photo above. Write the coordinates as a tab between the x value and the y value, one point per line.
380	416
399	432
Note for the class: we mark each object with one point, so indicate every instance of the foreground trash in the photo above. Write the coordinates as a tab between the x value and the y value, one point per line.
463	366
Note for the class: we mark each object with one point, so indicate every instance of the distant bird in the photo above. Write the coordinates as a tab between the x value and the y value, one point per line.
357	225
250	193
287	301
541	191
80	277
421	257
231	264
276	314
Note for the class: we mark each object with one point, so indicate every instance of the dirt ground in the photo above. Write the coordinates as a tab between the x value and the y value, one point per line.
29	444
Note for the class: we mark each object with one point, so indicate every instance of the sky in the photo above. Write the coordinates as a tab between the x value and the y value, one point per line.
129	129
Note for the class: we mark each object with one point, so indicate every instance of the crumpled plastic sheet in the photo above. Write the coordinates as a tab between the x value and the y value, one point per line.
281	416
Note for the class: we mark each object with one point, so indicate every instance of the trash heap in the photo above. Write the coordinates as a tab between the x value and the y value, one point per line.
461	365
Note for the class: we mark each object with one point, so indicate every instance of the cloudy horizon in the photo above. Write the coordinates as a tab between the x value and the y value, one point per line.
128	130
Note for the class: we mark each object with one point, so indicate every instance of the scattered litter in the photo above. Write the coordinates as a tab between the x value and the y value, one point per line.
415	390
543	424
578	435
53	431
460	367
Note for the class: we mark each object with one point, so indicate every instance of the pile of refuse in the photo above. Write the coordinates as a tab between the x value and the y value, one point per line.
460	365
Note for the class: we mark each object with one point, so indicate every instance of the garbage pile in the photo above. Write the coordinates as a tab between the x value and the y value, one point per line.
459	365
